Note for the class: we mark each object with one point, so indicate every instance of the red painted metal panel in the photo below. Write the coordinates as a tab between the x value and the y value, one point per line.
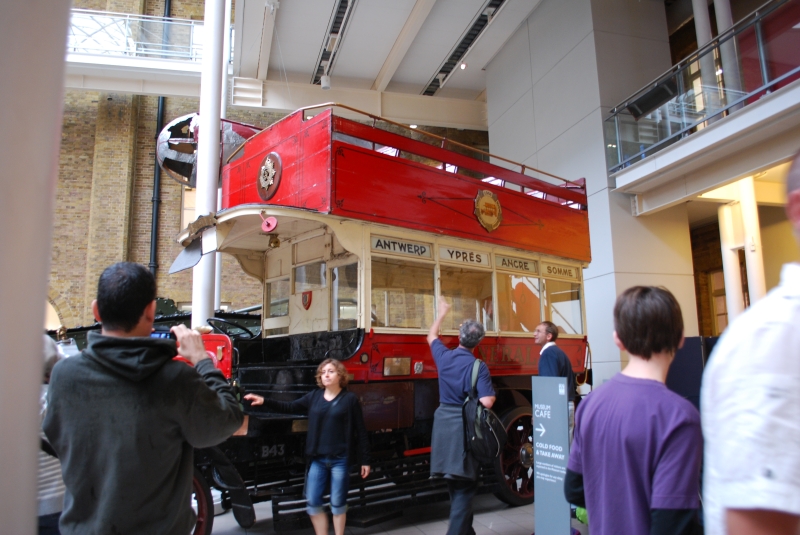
442	155
505	356
304	149
395	191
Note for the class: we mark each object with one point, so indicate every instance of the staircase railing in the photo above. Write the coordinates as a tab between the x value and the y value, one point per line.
139	36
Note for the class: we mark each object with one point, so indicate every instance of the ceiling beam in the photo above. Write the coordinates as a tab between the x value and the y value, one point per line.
411	28
270	13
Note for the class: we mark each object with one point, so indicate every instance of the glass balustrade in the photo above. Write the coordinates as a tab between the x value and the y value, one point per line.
139	36
755	57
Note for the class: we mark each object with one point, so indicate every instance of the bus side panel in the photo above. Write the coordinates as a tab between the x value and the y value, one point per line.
305	153
505	356
395	191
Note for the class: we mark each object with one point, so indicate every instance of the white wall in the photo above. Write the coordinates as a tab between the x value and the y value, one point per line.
548	91
778	244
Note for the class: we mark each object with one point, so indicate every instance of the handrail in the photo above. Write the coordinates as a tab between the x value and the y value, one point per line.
733	104
709	84
756	15
440	138
109	33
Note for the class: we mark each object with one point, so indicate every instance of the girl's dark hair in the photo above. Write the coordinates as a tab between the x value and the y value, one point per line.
648	320
340	369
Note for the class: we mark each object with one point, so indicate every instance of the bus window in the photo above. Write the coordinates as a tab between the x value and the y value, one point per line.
470	294
277	307
344	297
518	303
402	294
562	306
309	277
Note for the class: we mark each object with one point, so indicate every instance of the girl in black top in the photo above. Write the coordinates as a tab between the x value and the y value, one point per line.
334	416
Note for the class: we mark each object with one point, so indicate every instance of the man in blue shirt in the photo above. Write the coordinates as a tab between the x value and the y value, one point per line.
448	458
553	362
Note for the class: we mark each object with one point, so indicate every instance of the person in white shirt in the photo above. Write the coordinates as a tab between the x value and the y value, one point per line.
750	406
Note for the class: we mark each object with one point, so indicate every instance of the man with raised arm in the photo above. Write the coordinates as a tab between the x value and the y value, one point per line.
751	409
448	458
124	416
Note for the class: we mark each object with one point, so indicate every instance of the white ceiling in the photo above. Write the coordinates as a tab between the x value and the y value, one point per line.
396	44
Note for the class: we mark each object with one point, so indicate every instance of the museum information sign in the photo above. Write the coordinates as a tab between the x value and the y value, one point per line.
550	454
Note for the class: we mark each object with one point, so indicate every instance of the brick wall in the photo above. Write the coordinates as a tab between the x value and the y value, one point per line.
113	171
706	257
73	201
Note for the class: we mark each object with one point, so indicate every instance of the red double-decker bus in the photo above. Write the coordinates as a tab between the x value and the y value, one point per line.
355	226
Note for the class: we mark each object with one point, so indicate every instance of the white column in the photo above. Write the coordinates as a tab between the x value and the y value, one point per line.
730	63
208	153
218	265
702	28
730	243
756	281
223	112
33	40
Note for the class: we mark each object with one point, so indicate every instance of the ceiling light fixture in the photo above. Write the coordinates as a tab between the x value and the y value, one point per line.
457	56
412	125
325	82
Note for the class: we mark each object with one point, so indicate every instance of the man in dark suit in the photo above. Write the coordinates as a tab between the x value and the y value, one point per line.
553	362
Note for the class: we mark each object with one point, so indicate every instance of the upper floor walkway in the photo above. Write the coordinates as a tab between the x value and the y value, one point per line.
729	110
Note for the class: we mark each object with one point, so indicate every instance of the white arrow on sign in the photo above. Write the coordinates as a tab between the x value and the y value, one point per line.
541	431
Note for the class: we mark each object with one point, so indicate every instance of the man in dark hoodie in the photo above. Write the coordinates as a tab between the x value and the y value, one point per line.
124	416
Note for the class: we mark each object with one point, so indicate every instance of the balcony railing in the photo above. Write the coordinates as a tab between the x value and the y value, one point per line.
139	36
758	55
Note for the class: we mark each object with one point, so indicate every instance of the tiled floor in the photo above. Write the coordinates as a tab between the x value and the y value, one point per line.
491	518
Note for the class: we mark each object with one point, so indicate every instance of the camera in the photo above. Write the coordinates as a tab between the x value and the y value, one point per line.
162	331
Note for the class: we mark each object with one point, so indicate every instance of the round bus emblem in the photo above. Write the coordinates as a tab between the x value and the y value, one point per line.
488	210
269	176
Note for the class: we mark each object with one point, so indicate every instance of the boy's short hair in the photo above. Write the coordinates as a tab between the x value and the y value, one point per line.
648	320
123	292
470	333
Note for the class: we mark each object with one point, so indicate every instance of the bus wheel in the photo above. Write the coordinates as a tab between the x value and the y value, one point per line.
203	504
514	468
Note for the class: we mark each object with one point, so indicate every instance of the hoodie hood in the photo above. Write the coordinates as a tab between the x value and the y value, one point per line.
134	358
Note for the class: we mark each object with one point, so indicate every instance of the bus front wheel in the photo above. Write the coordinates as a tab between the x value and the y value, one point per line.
514	468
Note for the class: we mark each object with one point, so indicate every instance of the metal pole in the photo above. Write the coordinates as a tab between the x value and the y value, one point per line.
208	153
32	93
223	112
153	265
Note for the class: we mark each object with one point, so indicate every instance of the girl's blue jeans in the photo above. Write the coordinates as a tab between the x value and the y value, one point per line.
322	470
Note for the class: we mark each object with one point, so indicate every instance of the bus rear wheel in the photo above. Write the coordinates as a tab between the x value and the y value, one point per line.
514	468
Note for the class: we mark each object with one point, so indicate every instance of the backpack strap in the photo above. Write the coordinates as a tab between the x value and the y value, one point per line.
476	366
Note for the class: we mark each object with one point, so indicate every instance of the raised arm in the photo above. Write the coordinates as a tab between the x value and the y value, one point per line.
443	309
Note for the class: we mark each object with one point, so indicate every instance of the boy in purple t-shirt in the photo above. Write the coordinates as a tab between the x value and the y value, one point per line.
635	459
